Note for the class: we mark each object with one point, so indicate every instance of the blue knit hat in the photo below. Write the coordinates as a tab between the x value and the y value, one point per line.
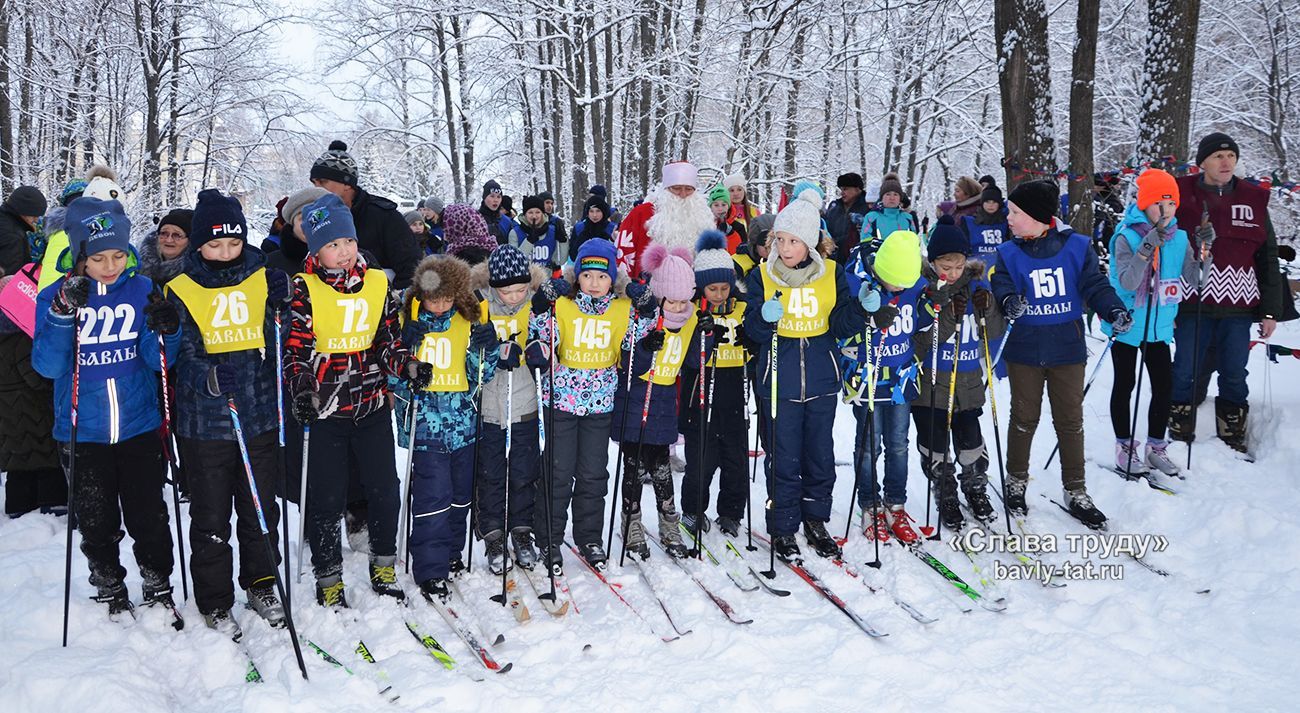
508	266
216	216
712	261
94	226
947	239
326	220
597	254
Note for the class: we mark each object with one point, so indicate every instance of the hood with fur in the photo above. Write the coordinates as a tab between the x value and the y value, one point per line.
444	276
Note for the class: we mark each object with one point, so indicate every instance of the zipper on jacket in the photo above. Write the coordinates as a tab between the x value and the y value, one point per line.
113	414
803	372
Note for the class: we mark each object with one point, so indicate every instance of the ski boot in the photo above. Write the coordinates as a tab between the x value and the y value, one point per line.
1015	494
222	622
786	548
1231	420
634	533
945	479
495	544
1127	461
1081	508
974	485
594	554
262	599
383	577
456	565
688	519
820	540
554	557
358	532
437	587
899	526
329	592
158	594
879	530
1182	422
1158	458
117	599
729	526
521	538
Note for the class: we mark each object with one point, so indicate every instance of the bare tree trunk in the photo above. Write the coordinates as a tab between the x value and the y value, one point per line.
693	94
173	112
608	145
792	106
25	111
1081	101
458	179
659	102
1167	65
7	173
1025	81
574	59
598	113
466	126
646	108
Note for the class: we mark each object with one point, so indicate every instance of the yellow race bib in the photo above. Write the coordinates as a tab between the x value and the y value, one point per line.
744	262
588	341
515	325
807	308
668	360
342	322
729	355
230	318
446	352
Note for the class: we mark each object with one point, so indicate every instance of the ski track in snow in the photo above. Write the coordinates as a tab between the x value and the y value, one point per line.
1143	643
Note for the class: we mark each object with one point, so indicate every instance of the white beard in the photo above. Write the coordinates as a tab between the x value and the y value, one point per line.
678	222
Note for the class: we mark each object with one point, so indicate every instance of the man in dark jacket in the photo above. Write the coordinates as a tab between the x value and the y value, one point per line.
1045	277
844	215
1241	285
381	230
18	216
500	225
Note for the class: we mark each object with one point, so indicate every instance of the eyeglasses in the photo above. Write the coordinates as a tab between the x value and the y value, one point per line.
171	235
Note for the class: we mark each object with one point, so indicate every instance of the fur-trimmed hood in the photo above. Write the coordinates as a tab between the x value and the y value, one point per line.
444	276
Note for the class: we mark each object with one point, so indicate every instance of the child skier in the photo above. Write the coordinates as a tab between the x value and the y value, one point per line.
888	216
99	326
227	300
578	385
446	328
987	229
890	290
730	225
1149	263
537	236
1044	277
725	436
961	296
509	282
801	324
343	345
646	425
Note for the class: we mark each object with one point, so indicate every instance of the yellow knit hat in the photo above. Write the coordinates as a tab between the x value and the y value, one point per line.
898	261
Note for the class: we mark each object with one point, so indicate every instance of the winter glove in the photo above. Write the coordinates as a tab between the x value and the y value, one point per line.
278	289
419	374
1205	237
483	337
642	298
1121	321
161	316
958	303
223	379
654	341
738	336
536	357
512	355
869	299
1151	243
554	288
773	310
884	317
1014	306
705	323
941	295
983	300
72	296
306	406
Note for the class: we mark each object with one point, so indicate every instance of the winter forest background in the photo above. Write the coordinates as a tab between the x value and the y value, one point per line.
436	97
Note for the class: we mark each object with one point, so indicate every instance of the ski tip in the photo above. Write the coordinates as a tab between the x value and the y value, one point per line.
506	668
501	639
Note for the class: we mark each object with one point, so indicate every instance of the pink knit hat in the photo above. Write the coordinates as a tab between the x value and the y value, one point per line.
671	274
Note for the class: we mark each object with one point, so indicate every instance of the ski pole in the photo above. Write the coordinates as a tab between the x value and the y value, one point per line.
959	320
753	463
550	455
928	466
403	548
478	438
266	535
302	496
705	412
871	443
770	573
279	415
993	406
860	444
505	520
72	470
1153	305
618	464
1203	253
1086	387
645	416
168	453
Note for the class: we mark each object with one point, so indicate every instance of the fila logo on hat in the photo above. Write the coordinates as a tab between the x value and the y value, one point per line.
224	230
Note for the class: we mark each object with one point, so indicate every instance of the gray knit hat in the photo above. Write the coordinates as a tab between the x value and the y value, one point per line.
299	200
336	164
413	217
434	204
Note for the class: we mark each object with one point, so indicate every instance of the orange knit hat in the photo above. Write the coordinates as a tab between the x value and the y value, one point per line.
1155	185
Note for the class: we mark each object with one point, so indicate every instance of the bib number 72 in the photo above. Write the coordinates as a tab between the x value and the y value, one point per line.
356	315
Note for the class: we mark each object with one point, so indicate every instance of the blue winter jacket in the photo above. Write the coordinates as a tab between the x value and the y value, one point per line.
199	413
1133	228
446	420
1057	344
109	410
880	222
661	420
806	367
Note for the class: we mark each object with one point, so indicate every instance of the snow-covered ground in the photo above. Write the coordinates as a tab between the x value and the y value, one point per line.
1141	643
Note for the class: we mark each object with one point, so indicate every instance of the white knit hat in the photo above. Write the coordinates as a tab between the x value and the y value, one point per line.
802	218
735	179
680	173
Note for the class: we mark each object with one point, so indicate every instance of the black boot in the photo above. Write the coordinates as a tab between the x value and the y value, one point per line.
945	481
974	485
1015	494
495	544
1231	420
822	542
1182	422
786	548
1083	510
